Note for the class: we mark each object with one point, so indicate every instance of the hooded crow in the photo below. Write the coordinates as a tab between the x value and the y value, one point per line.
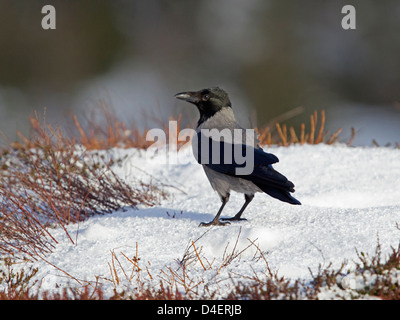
231	156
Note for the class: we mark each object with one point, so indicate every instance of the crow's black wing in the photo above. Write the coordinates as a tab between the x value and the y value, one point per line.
231	159
225	157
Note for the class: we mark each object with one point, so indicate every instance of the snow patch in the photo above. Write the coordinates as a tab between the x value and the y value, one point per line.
220	243
352	199
350	196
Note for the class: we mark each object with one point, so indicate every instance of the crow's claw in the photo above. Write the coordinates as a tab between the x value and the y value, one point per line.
213	223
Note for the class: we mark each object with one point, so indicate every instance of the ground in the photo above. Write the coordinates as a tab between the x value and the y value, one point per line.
350	199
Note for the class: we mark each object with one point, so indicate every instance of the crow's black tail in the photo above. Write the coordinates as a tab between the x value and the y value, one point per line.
279	194
276	185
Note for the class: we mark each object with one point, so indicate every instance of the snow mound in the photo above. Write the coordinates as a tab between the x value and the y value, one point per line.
349	195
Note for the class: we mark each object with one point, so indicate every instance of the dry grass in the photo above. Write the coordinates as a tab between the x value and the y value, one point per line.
131	279
49	180
314	135
180	281
110	132
386	271
117	133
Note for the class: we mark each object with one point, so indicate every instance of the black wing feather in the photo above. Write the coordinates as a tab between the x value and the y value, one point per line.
220	157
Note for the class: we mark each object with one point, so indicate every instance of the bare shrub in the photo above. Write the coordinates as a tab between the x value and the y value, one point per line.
49	180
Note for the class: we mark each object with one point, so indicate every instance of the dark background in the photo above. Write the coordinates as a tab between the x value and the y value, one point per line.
272	56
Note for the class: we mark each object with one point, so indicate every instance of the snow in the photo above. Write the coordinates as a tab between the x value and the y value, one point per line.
350	196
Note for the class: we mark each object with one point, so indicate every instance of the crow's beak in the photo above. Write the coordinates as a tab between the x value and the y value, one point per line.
192	97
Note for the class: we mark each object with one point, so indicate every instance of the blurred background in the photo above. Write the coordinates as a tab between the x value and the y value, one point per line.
278	60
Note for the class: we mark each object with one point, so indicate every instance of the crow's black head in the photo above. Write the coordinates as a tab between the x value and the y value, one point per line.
208	101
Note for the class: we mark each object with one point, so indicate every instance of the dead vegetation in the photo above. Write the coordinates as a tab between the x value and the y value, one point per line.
195	276
50	180
315	134
107	131
111	132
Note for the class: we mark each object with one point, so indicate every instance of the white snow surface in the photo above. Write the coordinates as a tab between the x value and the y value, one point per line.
350	197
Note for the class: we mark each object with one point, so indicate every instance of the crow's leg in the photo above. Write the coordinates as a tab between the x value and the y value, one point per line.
216	221
237	217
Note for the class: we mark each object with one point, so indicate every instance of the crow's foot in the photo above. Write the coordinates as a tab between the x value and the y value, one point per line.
213	223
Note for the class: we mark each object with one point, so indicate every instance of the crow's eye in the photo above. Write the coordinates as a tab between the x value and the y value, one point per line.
206	97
